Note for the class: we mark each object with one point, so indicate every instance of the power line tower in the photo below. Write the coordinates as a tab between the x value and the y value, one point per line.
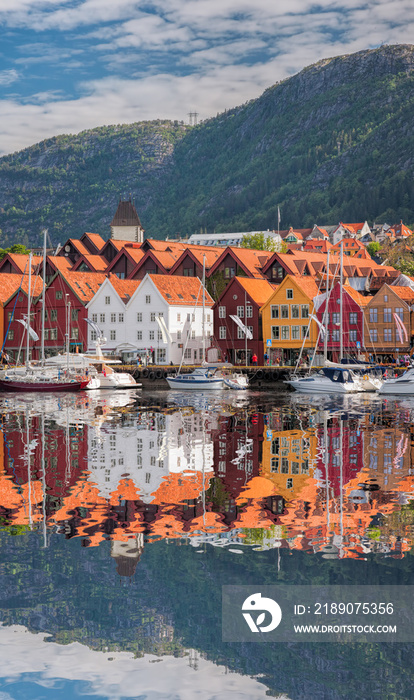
193	118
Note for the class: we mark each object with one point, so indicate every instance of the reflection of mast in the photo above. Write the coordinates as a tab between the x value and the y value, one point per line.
325	459
29	476
44	483
341	503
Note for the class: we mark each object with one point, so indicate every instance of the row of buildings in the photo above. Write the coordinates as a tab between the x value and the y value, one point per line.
147	298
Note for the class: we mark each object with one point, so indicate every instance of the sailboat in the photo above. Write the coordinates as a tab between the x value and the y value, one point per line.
201	378
37	378
336	378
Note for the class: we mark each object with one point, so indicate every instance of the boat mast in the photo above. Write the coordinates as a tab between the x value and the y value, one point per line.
325	340
203	324
341	299
245	330
28	311
43	299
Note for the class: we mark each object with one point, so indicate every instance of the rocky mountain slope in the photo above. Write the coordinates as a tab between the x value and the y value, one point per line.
335	142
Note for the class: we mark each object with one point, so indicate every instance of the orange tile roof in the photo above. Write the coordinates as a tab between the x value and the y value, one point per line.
313	243
79	246
124	288
59	262
253	260
182	291
356	296
308	286
83	284
10	283
97	262
96	239
404	293
20	261
259	290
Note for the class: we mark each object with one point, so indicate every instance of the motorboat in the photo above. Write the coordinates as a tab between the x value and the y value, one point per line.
201	378
370	376
328	380
236	380
404	384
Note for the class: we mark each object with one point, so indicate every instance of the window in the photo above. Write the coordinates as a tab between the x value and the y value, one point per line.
53	334
148	299
289	294
387	315
274	311
353	318
335	336
387	335
95	318
274	465
139	317
373	335
59	294
139	335
195	355
285	333
400	313
161	355
152	318
107	301
335	319
289	483
305	332
240	334
121	318
112	335
222	332
200	353
222	312
249	311
385	297
102	318
11	334
93	335
187	354
9	315
284	311
305	310
113	318
295	310
152	335
353	336
373	315
178	335
74	333
240	311
178	318
53	314
295	333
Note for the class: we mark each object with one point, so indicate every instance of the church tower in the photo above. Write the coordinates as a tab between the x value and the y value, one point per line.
126	226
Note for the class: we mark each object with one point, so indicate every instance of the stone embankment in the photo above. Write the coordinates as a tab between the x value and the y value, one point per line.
154	377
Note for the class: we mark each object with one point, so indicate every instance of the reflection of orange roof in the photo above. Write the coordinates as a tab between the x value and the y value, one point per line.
253	515
179	487
126	491
257	487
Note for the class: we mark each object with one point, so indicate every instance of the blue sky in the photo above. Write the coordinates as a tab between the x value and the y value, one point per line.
68	65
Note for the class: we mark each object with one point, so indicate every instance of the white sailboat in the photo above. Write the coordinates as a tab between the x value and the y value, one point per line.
202	378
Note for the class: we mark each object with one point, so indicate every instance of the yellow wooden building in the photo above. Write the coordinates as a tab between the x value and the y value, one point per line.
286	320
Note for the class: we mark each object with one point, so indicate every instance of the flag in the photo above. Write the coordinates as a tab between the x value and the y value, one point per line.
32	333
164	330
240	324
401	329
278	215
321	326
94	327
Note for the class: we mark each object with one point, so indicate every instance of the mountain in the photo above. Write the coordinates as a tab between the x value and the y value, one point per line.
333	143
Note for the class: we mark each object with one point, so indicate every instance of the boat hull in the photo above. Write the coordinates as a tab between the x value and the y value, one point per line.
311	386
396	387
25	386
191	384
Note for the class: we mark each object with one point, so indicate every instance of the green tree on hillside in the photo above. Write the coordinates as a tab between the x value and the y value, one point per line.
17	248
258	241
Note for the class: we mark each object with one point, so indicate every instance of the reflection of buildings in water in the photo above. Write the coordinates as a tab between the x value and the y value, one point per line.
289	458
127	554
149	453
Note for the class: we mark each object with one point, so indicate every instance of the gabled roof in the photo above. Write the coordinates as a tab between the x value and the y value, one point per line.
124	288
83	284
319	245
259	291
181	291
95	239
401	230
78	245
308	286
404	293
95	263
197	256
354	228
356	296
10	283
157	244
58	262
126	214
251	261
19	262
163	259
135	255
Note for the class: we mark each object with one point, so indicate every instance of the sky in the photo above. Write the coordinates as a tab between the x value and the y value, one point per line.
69	65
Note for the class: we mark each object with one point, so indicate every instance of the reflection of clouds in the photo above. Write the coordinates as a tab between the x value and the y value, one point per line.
117	674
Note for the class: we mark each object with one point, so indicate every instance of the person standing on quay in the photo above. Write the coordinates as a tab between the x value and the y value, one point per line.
254	359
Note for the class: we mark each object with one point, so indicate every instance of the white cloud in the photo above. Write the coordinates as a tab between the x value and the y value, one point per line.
7	77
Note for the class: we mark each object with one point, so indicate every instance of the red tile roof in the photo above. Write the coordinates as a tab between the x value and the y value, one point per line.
258	290
181	291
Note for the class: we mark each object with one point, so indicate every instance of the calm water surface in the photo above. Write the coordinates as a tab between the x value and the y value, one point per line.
123	515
